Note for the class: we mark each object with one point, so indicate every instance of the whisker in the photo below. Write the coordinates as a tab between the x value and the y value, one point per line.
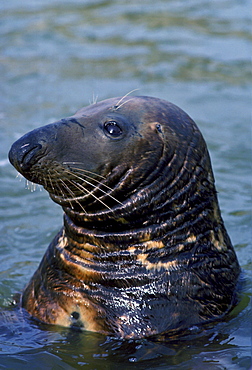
65	189
58	190
126	101
95	187
30	185
92	173
81	187
74	198
19	177
33	187
95	98
64	196
45	181
91	178
50	180
130	92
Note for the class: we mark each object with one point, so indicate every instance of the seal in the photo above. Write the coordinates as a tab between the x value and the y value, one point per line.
143	250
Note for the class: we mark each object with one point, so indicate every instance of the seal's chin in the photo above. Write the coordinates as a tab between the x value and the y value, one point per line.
58	199
82	205
73	203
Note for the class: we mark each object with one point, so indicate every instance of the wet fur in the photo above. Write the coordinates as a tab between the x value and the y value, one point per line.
143	250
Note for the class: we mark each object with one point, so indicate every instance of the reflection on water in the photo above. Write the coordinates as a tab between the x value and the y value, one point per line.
57	56
46	346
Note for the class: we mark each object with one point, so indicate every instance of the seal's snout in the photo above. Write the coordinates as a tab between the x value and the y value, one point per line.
24	153
24	156
30	148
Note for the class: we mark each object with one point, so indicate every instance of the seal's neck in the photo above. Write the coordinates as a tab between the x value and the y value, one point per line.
107	258
169	210
110	237
170	224
107	248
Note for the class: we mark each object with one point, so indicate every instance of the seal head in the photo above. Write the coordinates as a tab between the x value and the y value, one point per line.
143	249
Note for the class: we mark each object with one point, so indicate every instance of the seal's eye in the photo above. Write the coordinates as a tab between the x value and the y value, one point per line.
113	129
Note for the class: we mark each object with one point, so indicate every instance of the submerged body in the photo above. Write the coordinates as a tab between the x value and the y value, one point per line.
143	250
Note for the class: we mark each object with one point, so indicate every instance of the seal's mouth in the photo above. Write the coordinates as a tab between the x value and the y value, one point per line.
68	183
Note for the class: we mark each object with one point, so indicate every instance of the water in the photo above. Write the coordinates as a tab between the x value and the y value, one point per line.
59	55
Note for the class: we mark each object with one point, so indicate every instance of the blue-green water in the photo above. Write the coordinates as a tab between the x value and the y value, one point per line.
57	56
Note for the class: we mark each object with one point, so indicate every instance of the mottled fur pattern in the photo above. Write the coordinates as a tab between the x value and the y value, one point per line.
143	250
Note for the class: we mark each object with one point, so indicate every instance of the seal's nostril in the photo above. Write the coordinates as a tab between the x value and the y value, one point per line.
23	156
29	156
